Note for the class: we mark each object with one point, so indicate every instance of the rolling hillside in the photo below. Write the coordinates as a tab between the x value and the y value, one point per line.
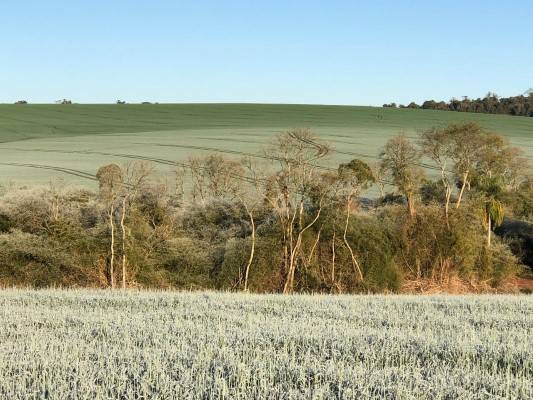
42	142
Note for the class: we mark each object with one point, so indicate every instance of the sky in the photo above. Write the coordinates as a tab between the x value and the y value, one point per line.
319	52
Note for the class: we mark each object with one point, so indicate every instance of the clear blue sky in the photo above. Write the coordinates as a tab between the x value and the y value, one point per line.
329	52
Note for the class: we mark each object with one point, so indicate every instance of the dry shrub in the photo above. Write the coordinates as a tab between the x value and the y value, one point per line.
453	284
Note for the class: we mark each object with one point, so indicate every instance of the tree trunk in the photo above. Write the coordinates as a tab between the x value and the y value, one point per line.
333	259
489	230
355	264
252	251
381	189
293	247
112	261
447	193
447	205
410	204
123	228
465	177
289	284
314	246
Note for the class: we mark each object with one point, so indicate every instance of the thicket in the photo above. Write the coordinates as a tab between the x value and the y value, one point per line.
490	104
287	224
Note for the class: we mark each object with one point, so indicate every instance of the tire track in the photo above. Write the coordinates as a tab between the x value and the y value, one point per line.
69	171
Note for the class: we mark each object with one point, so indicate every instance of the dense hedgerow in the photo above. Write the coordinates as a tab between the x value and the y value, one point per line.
290	225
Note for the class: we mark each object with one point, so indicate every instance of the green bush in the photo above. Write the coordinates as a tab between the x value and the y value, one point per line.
30	260
188	263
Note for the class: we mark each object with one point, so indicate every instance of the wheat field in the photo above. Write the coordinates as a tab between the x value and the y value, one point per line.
40	143
80	344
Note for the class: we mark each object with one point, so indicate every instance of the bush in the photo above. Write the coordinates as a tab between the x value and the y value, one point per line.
5	223
430	250
374	243
265	272
30	260
188	263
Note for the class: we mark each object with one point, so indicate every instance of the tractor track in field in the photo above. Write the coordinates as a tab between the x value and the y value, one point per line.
255	155
181	164
69	171
86	175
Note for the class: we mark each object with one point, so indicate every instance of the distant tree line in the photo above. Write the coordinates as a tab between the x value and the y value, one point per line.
283	223
490	104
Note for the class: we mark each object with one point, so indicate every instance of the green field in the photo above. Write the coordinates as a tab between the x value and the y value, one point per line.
43	142
109	345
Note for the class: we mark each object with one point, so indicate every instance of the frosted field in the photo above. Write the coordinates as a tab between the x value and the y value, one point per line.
102	345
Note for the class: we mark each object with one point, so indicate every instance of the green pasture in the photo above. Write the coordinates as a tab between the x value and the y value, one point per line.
39	143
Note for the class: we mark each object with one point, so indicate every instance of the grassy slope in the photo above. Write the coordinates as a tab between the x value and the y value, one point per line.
24	121
46	135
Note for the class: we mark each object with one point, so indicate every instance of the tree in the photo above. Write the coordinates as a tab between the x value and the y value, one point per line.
493	214
110	179
250	199
436	144
521	105
293	190
497	168
496	158
465	141
215	176
355	177
135	177
400	159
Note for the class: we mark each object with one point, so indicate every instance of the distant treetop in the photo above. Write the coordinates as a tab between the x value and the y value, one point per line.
490	104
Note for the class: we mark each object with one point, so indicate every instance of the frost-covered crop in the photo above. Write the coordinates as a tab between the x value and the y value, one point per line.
108	345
